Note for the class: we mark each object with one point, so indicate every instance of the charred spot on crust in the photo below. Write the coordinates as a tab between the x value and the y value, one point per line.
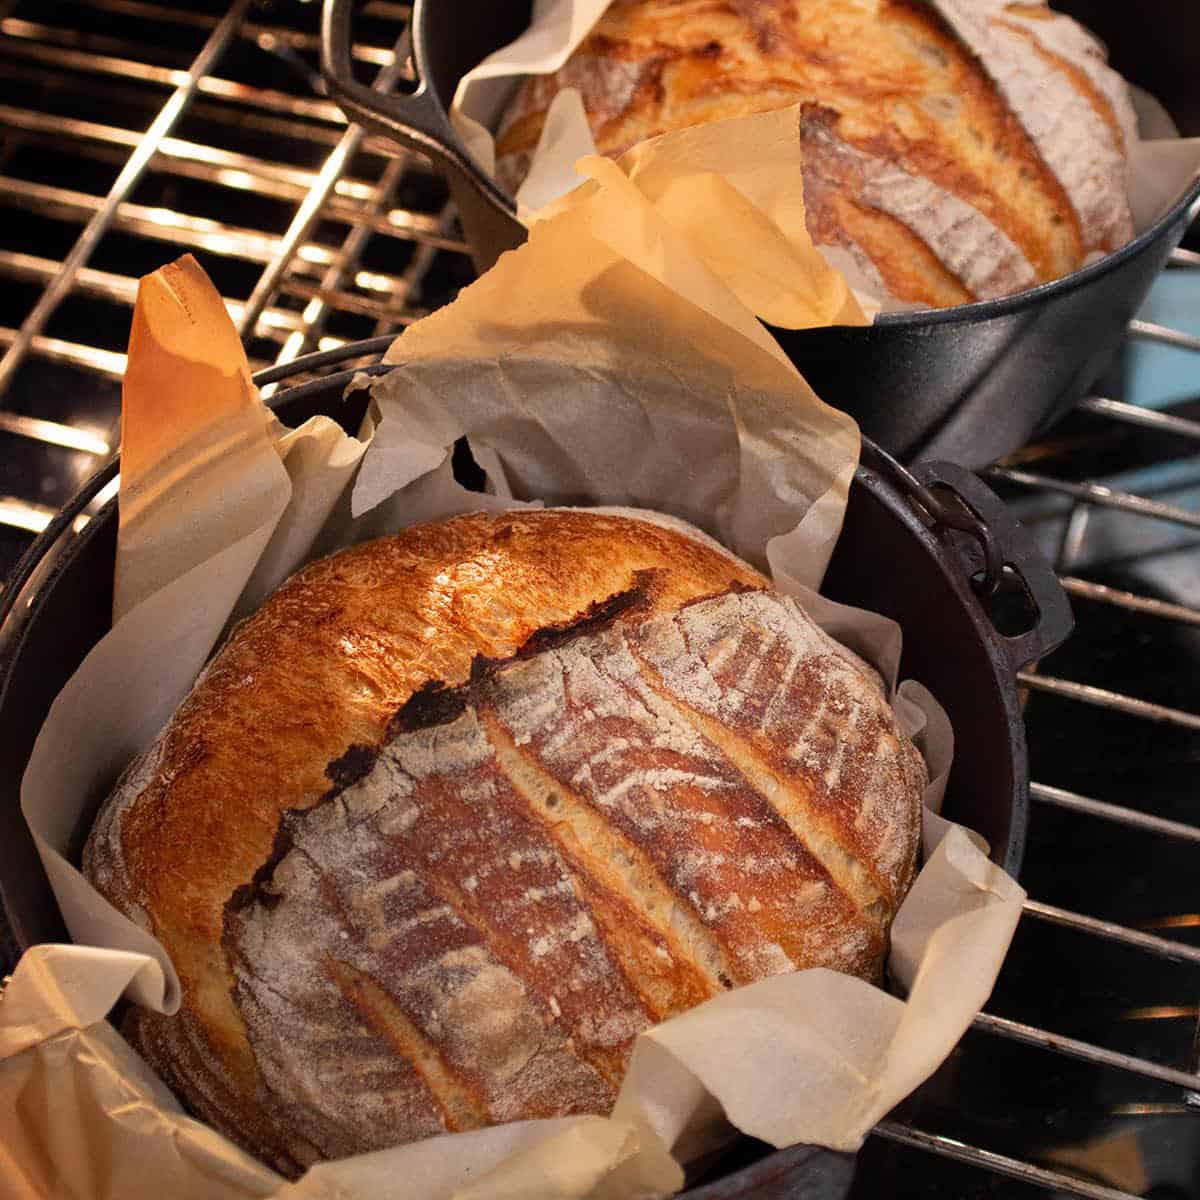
652	82
599	614
735	588
352	766
818	120
438	703
433	703
738	588
343	772
247	894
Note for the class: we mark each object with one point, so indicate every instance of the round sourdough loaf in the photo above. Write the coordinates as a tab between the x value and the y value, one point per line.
952	150
459	812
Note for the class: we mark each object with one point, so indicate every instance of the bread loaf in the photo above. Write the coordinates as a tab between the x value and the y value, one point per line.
952	150
459	812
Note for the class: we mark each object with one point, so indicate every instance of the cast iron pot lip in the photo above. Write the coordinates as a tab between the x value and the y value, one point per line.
20	601
974	310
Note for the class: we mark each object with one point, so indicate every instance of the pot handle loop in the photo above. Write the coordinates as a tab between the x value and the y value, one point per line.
415	120
997	554
996	539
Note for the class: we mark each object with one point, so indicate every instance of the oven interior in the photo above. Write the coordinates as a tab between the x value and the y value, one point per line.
133	131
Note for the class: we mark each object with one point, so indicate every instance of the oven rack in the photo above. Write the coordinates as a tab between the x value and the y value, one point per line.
336	243
312	281
1084	498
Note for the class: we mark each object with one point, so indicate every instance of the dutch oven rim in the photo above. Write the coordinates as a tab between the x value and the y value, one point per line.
871	476
909	499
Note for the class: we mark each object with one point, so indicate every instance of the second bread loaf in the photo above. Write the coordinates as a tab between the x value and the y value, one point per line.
951	151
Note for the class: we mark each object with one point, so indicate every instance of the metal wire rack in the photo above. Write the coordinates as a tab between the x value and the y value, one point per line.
1156	501
117	119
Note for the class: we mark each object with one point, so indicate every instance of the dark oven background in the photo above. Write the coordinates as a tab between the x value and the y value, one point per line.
131	132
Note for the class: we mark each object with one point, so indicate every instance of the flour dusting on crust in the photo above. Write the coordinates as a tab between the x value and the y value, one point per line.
583	840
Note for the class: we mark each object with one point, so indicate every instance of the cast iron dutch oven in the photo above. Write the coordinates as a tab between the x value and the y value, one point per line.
969	383
921	547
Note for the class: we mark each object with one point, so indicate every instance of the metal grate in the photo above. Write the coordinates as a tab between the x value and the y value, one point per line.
119	122
117	119
1113	494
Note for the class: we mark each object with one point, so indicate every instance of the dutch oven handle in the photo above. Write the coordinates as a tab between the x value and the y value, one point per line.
415	120
997	553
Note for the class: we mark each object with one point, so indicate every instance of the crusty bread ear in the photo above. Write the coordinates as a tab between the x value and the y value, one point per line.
957	150
460	812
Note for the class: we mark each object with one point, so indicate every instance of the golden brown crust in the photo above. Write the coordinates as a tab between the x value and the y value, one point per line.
903	89
908	268
722	774
324	665
397	910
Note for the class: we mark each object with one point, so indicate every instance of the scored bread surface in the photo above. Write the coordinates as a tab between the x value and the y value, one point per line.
677	786
609	831
324	664
964	148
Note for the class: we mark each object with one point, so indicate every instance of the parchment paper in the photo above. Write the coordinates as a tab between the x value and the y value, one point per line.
602	363
1160	166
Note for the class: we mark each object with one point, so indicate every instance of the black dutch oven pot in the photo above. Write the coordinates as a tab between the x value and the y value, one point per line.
968	383
918	547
